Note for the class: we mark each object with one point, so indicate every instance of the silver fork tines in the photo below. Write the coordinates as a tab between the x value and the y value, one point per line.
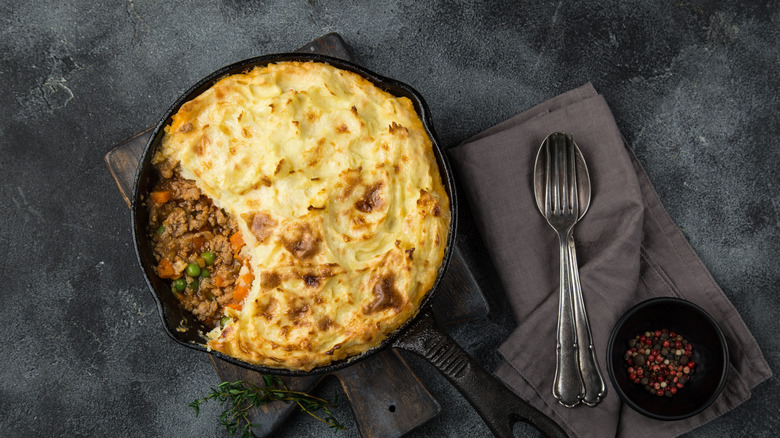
571	169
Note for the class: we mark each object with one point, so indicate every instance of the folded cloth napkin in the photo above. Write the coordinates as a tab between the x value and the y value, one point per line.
628	250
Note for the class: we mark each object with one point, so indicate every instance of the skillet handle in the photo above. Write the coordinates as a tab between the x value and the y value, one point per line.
499	407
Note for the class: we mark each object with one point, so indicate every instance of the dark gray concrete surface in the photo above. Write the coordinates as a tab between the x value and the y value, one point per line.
693	84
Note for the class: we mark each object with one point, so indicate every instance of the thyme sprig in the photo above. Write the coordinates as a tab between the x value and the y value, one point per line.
239	397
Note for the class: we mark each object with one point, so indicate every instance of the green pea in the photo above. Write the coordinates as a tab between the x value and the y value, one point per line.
208	257
192	285
224	321
193	270
204	273
160	230
180	284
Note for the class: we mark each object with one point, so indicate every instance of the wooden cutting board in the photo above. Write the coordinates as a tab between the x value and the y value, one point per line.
387	398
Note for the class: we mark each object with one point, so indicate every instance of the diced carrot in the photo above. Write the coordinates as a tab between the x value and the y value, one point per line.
237	306
237	242
198	242
219	281
240	293
247	278
161	196
165	269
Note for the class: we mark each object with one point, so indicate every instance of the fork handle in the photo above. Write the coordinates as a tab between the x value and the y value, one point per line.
595	388
568	387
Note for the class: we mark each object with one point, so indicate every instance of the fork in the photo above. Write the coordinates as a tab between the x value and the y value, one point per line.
577	376
568	387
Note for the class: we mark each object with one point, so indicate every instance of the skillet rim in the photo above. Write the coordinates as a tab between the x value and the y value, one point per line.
145	175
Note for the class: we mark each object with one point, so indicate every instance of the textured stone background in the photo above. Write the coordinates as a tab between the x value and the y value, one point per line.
693	84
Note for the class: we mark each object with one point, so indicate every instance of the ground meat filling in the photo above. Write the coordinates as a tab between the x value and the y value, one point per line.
192	247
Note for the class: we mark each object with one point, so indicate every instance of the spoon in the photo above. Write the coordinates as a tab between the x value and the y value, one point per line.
562	191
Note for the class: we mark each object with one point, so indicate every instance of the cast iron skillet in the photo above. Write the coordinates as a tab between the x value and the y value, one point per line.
499	407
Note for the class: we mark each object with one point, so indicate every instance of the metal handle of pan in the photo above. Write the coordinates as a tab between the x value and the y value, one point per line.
498	406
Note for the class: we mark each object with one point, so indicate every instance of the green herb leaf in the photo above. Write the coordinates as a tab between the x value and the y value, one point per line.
243	396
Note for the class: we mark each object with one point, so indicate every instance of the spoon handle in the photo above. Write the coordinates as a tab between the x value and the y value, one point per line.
595	388
568	387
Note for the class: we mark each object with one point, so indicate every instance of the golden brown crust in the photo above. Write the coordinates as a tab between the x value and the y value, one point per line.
342	206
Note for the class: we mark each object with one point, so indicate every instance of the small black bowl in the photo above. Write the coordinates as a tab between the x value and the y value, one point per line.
710	353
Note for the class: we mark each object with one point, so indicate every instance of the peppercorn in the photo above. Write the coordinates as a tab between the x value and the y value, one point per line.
660	361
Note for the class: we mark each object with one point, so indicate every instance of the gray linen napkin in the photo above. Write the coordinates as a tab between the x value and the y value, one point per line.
628	250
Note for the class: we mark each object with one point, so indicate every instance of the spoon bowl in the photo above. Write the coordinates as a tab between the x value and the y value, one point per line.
583	179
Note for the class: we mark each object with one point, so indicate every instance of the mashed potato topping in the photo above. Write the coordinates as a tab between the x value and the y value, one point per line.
339	202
